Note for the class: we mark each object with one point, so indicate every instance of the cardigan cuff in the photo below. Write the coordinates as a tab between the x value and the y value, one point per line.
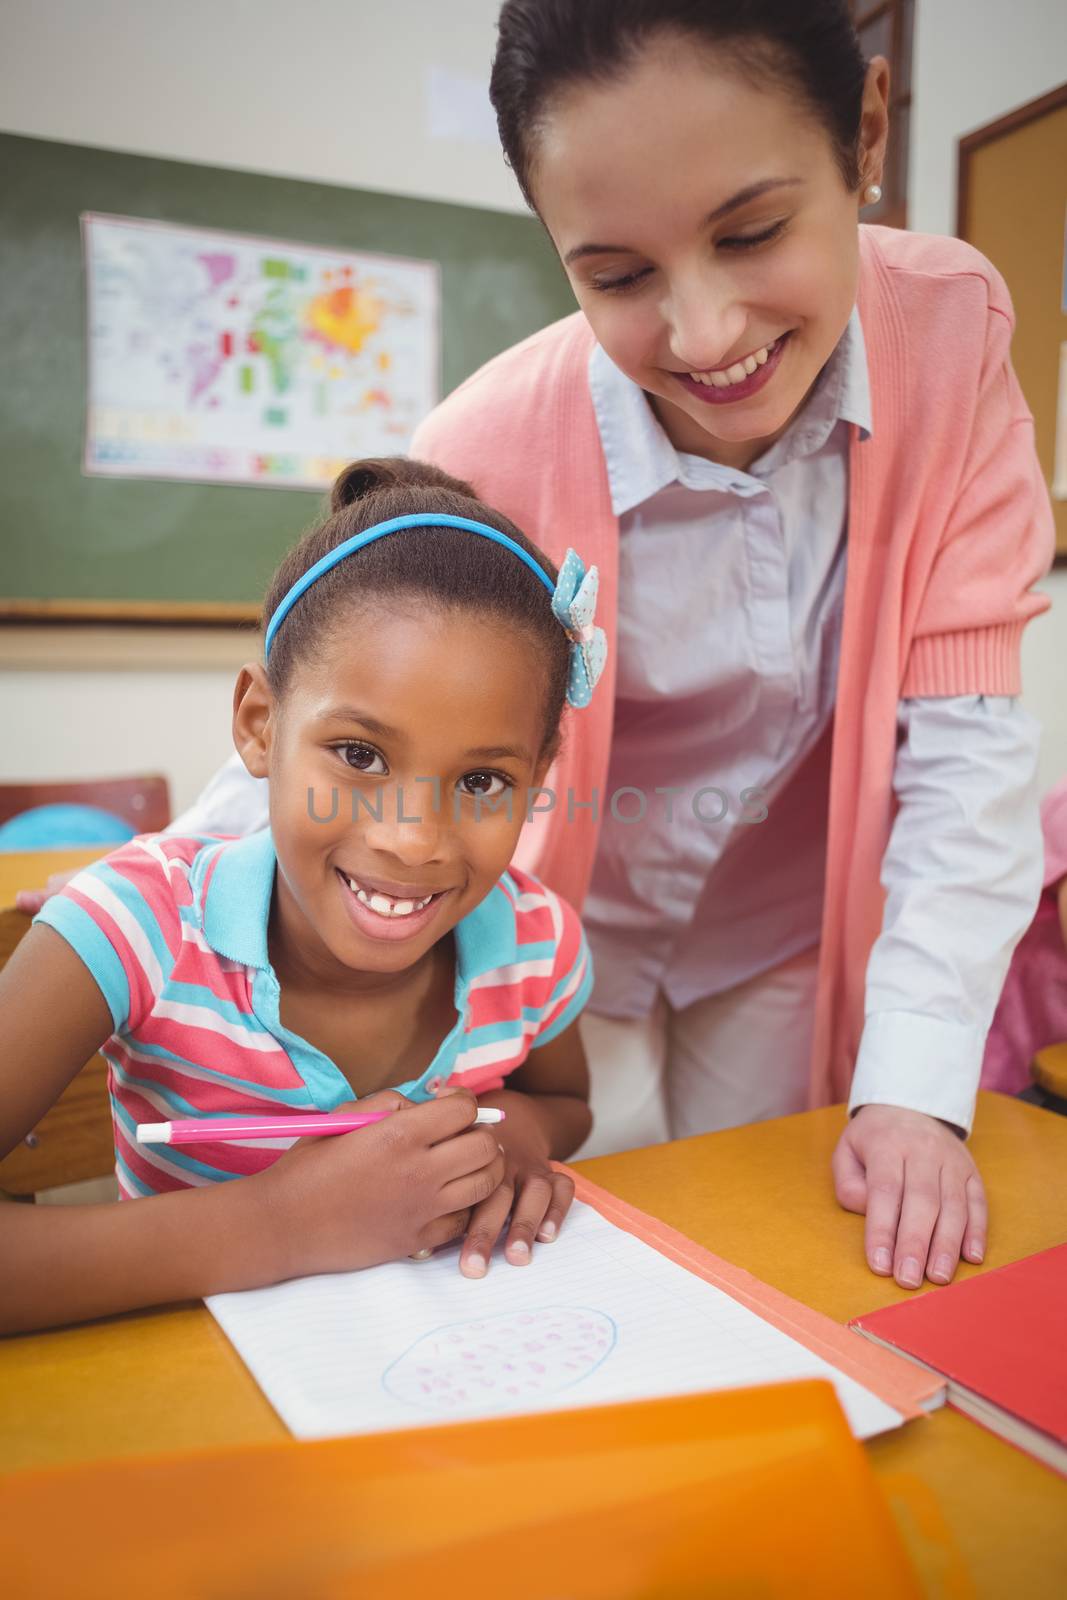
972	661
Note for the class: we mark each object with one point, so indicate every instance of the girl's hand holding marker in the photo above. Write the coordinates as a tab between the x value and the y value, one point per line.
410	1184
483	1181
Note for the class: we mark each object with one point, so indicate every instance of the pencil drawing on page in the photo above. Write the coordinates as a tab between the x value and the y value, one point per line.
501	1360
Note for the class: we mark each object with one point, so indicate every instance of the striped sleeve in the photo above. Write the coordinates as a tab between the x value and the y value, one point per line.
571	979
121	917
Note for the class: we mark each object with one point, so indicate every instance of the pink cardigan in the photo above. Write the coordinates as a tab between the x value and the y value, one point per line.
949	526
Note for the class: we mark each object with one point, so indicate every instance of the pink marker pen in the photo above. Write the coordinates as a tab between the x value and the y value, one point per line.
204	1130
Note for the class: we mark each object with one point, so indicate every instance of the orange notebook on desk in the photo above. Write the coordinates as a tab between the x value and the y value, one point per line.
749	1492
1001	1341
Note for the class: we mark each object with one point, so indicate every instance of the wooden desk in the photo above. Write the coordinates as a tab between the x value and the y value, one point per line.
759	1196
29	869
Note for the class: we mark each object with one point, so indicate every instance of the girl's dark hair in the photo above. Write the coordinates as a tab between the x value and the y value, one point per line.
446	567
808	46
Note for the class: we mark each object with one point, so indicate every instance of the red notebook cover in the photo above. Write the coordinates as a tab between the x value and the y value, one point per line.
1002	1335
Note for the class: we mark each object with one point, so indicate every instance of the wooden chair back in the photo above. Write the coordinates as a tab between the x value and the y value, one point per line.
143	802
73	1141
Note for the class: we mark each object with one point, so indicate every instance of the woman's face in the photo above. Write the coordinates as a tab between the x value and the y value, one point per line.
709	237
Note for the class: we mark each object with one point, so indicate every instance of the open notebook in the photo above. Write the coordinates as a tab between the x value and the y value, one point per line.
601	1316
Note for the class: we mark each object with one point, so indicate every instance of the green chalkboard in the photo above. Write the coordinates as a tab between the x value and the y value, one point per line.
75	545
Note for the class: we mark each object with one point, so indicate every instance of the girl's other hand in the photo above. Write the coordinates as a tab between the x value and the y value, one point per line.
537	1197
919	1186
405	1184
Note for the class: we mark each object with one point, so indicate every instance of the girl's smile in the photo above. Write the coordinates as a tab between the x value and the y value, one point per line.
393	914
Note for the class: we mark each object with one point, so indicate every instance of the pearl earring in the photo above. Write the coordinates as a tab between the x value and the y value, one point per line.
872	194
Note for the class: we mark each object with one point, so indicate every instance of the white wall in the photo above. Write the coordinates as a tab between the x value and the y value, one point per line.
376	94
107	702
103	724
339	90
974	61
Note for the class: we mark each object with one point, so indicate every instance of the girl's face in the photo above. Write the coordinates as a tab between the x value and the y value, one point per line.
399	768
709	237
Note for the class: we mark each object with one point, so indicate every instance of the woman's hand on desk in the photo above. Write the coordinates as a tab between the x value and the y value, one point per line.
920	1189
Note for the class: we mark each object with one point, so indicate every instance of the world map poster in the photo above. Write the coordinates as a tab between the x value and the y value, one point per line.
226	358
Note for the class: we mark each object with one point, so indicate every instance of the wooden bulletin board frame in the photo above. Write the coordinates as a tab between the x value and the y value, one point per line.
1011	203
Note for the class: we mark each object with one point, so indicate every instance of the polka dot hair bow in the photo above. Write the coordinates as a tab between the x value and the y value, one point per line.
574	604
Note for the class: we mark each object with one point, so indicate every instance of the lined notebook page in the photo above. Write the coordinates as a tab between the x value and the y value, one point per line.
598	1317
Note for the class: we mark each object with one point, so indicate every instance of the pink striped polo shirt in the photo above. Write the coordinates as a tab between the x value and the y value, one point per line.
174	931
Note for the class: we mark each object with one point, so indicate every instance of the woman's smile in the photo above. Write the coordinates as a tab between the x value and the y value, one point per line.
737	381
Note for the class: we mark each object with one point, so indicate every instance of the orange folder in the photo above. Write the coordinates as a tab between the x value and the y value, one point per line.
746	1492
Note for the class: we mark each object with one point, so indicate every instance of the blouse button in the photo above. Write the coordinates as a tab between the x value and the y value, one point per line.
432	1085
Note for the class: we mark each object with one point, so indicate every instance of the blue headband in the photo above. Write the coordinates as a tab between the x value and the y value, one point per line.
573	595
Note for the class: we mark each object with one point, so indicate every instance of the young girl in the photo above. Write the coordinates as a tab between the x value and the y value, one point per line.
371	945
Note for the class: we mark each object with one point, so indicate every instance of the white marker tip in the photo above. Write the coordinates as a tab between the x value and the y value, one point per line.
153	1133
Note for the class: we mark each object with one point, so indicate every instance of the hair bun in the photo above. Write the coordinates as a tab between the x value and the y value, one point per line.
365	478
